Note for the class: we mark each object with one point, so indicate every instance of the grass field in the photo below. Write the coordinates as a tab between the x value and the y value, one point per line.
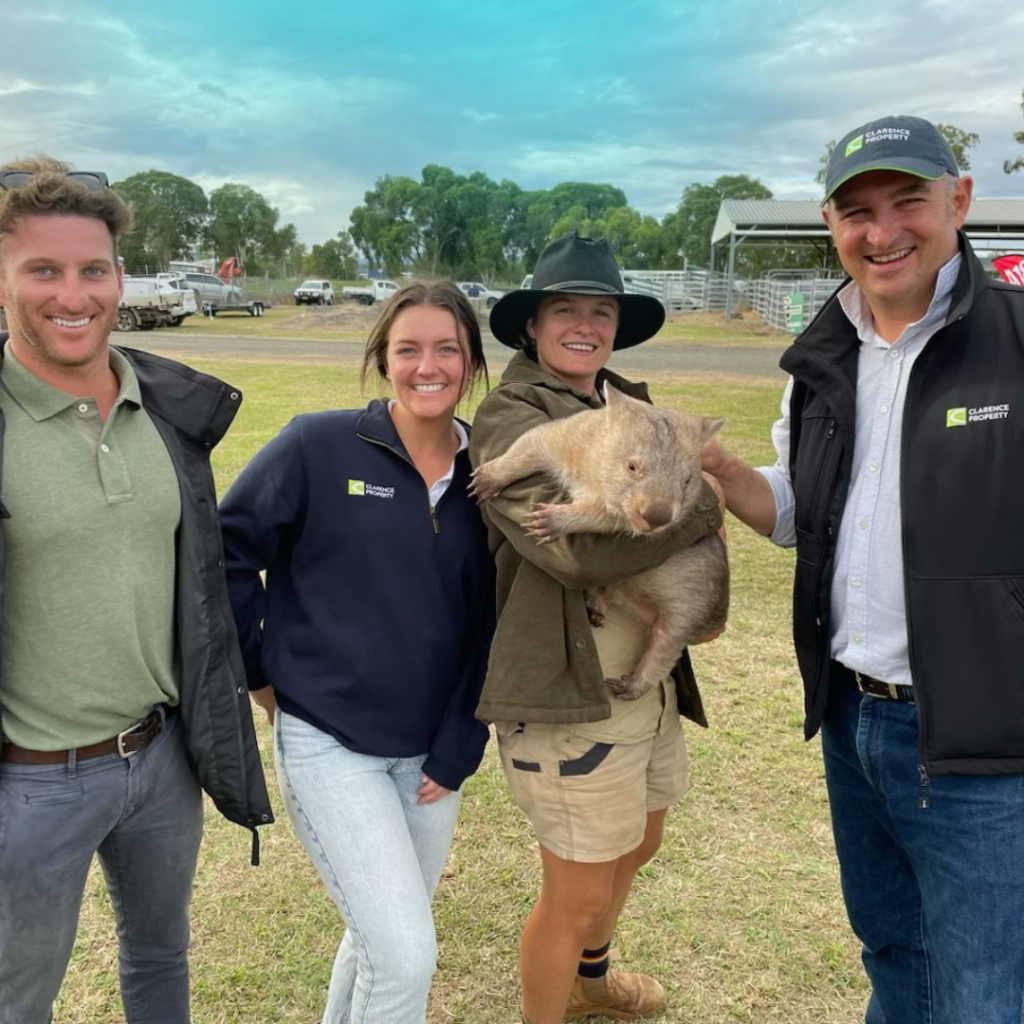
739	916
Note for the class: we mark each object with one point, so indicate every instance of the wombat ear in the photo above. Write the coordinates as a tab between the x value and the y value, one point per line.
620	401
710	425
611	394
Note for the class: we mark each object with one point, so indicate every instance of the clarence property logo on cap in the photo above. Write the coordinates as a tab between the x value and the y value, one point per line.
877	135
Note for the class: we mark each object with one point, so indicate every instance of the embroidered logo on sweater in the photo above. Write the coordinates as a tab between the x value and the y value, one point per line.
962	416
361	489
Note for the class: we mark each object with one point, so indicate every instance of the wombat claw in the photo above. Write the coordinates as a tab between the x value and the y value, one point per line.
596	617
626	688
479	488
540	524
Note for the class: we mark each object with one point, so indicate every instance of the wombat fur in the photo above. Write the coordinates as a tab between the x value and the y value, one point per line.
629	468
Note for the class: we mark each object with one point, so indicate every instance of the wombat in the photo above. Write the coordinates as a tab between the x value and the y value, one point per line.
629	468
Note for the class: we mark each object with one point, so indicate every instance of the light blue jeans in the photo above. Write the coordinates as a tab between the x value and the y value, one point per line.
380	856
935	894
143	818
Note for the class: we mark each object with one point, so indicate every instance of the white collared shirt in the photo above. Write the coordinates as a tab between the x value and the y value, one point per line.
441	484
869	621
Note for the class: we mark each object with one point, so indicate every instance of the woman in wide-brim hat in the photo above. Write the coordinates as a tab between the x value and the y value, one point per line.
595	776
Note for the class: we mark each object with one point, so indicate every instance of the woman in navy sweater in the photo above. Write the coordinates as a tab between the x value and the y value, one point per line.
368	641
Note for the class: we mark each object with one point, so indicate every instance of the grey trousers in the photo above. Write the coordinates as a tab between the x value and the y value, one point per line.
143	818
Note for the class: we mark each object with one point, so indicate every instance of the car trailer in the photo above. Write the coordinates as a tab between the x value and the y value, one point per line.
254	308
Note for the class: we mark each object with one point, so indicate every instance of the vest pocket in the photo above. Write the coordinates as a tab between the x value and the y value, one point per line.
967	644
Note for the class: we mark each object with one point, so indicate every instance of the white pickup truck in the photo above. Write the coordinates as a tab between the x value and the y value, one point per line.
314	292
477	290
149	302
375	291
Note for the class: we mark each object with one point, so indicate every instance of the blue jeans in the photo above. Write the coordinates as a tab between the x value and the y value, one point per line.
935	894
380	856
143	818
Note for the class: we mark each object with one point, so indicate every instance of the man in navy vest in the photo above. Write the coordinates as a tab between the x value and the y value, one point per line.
899	454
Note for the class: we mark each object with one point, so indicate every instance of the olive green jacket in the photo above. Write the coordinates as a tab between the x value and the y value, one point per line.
543	665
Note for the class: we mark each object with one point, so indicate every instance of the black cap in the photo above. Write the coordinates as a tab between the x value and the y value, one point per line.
908	144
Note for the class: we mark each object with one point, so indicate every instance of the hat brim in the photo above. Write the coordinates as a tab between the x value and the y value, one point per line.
918	168
640	316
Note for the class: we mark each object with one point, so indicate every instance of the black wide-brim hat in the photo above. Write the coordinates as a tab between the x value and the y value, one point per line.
576	266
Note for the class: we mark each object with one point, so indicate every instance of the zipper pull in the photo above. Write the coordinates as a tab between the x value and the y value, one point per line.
922	796
433	519
831	430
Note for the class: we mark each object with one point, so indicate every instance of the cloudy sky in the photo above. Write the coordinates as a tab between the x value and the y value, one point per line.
310	101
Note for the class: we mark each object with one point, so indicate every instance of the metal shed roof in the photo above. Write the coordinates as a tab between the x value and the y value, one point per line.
801	218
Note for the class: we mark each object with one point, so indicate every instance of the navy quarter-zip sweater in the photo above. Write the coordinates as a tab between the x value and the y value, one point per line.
374	622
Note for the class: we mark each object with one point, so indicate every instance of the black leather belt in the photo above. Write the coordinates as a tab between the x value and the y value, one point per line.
887	691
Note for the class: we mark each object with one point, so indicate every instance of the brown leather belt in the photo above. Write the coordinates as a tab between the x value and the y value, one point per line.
132	740
887	691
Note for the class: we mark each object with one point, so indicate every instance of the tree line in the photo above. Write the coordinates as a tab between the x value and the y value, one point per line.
462	226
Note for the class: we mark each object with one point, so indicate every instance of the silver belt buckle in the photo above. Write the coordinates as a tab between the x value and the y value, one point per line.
131	730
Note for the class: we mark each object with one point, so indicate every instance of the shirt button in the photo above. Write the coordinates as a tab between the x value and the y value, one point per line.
858	639
104	448
581	644
83	407
854	583
893	354
883	409
862	523
873	466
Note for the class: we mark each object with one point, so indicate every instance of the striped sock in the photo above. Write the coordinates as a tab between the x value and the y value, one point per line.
594	962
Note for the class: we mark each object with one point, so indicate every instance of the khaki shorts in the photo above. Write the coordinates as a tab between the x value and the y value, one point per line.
588	801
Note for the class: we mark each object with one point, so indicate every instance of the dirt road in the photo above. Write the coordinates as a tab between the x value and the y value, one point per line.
662	356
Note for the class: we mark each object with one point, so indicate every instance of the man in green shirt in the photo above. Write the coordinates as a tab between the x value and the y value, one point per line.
121	687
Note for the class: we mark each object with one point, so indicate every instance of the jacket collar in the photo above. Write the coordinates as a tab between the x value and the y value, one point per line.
522	369
197	405
375	424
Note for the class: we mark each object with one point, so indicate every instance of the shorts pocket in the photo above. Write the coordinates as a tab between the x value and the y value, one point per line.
587	762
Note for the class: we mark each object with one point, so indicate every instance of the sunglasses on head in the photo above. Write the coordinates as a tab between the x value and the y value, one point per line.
94	181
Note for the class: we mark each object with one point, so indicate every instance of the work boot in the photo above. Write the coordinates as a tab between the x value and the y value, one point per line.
619	995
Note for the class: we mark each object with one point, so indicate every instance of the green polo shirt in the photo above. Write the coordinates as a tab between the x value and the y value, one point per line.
87	641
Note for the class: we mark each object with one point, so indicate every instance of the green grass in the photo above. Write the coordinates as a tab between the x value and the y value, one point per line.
739	915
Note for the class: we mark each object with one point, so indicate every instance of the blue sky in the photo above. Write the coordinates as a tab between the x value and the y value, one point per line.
309	102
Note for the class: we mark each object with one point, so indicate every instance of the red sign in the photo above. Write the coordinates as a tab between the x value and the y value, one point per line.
1010	267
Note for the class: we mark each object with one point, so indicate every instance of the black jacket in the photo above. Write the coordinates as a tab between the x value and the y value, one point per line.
962	490
192	411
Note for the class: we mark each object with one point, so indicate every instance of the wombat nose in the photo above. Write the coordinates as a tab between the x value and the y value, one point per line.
657	515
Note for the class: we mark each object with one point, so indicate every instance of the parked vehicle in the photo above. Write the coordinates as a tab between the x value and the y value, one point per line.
210	288
149	302
175	281
476	290
527	281
375	291
319	293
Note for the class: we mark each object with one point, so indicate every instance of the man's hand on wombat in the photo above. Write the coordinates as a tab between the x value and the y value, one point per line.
544	522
